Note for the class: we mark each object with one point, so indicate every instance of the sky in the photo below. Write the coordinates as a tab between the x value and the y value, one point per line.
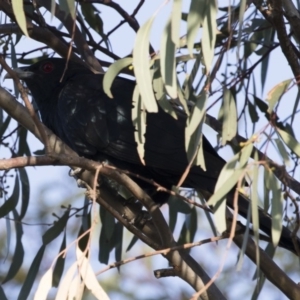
49	185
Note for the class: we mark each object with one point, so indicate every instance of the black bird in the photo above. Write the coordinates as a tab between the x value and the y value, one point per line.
74	106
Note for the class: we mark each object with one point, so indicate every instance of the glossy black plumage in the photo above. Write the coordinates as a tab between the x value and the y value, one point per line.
74	106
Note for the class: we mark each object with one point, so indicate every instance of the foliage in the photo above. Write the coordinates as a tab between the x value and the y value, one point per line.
215	63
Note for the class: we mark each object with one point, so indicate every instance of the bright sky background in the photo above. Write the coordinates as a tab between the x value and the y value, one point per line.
52	184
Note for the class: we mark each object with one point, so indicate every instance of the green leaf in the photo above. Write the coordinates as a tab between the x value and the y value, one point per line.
4	125
88	277
160	94
105	236
58	227
167	61
132	243
141	65
104	247
25	191
229	124
193	131
268	40
175	21
92	17
139	123
282	151
68	6
252	44
276	93
267	187
52	9
191	223
118	240
252	112
228	178
85	225
263	106
44	286
176	204
23	145
112	72
18	255
245	239
195	19
242	9
173	213
108	225
209	34
65	285
12	201
60	264
254	205
276	209
18	9
31	275
182	239
290	141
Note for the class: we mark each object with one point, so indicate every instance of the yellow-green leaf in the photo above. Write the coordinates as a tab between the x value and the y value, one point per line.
194	21
112	72
141	65
276	210
139	122
228	178
276	93
229	124
290	141
167	61
209	34
18	9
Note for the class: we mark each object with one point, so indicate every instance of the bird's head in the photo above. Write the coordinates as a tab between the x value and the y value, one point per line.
45	78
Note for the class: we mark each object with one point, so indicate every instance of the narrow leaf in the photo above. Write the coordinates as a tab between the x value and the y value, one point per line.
175	21
254	207
58	227
25	192
276	93
68	6
276	211
18	255
167	61
282	151
229	124
88	276
228	178
12	201
209	34
44	286
60	264
31	275
64	286
141	65
112	72
19	13
139	122
194	21
290	141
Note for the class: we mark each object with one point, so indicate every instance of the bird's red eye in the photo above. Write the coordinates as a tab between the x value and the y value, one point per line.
47	67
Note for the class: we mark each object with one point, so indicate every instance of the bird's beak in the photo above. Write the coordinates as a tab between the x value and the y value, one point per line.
21	72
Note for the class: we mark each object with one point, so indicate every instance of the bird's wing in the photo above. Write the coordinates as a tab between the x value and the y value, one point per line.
95	123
